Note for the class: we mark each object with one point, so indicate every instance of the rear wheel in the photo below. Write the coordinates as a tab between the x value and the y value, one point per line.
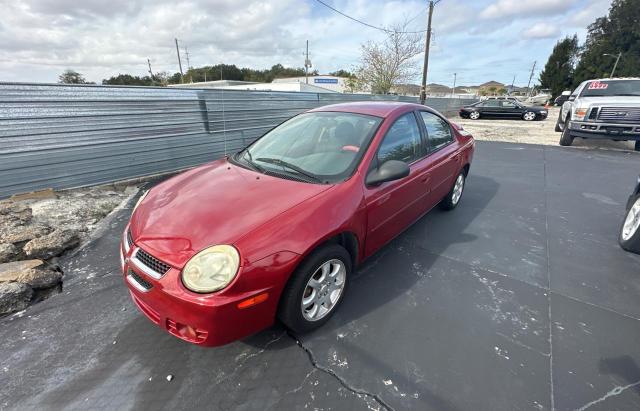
630	230
566	139
474	115
453	198
529	116
315	289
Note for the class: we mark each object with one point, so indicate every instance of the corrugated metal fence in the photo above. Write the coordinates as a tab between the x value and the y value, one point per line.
63	136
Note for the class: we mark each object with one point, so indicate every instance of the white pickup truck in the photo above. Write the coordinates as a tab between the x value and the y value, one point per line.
605	109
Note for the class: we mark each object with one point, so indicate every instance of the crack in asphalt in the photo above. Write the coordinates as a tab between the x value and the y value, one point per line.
342	381
616	391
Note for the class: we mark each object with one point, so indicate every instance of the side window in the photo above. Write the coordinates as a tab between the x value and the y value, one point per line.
438	130
402	141
508	104
492	103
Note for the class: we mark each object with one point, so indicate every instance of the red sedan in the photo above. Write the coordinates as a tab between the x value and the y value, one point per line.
275	231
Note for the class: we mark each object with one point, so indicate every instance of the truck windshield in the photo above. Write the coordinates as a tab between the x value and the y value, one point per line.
604	88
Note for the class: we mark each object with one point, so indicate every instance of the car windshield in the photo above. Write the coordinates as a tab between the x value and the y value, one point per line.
612	88
321	147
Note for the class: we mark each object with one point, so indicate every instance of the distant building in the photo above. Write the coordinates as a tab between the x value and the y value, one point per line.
284	84
332	83
215	84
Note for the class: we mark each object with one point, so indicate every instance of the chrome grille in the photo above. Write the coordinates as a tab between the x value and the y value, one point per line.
152	262
620	114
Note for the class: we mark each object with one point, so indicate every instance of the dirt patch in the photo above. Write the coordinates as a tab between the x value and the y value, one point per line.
530	132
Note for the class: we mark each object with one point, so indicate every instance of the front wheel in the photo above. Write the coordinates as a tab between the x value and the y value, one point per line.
474	115
566	139
629	233
453	198
529	116
315	289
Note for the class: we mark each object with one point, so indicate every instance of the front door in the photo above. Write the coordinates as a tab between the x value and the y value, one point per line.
392	206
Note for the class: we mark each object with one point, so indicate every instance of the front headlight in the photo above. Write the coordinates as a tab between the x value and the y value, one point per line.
140	200
211	269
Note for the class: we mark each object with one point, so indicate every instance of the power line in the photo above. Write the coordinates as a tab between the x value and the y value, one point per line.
367	24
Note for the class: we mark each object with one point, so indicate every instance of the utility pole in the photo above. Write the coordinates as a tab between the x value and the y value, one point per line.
453	93
513	82
307	64
179	62
423	88
186	53
616	64
530	77
150	72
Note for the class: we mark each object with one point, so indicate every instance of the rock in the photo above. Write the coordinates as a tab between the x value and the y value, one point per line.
14	297
53	244
8	252
34	273
12	213
21	233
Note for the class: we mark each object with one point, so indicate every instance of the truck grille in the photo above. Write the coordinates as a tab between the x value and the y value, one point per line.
152	262
620	114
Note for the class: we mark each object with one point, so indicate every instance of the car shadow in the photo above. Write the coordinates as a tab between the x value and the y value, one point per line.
624	367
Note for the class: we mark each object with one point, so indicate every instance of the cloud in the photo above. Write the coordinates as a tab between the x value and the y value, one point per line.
541	31
502	9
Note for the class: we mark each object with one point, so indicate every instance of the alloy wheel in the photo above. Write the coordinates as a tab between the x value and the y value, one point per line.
632	222
323	290
529	116
474	115
457	189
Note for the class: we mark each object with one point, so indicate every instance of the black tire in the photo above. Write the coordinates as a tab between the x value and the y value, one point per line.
290	308
633	242
558	129
449	202
566	139
637	145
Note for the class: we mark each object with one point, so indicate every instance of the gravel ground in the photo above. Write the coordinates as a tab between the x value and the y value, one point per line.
534	132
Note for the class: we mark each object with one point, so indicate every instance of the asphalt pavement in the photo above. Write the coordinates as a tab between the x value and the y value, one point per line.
519	299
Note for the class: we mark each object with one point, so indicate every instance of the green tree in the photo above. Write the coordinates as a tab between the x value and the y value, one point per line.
71	77
618	32
129	80
342	73
557	74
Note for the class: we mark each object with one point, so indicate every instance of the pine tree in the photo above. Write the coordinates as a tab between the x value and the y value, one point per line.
557	74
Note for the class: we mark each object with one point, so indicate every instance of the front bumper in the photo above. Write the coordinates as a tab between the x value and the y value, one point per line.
611	131
206	319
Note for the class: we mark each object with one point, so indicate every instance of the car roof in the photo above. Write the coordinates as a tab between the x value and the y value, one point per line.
615	79
372	108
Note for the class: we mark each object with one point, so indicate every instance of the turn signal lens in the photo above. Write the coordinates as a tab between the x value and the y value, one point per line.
260	298
580	113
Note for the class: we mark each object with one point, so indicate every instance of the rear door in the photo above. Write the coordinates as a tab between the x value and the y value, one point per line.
443	155
392	206
491	108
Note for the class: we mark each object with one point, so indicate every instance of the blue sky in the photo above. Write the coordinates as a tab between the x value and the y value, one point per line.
480	40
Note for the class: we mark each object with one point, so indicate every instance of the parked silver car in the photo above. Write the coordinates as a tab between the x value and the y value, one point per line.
605	108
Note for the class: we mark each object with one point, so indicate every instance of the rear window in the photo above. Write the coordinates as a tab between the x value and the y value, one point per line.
605	88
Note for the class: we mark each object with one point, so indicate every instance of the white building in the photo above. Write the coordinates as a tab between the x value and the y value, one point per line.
332	83
276	85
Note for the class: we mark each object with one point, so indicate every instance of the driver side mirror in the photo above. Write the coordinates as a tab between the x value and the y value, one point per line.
566	93
571	98
389	171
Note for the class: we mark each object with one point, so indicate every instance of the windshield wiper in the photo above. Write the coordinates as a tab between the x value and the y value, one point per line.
250	161
293	167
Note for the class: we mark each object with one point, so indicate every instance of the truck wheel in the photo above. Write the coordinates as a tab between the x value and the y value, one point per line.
565	138
558	128
629	231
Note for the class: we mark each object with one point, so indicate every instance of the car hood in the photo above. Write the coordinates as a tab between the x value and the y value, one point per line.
613	101
213	204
